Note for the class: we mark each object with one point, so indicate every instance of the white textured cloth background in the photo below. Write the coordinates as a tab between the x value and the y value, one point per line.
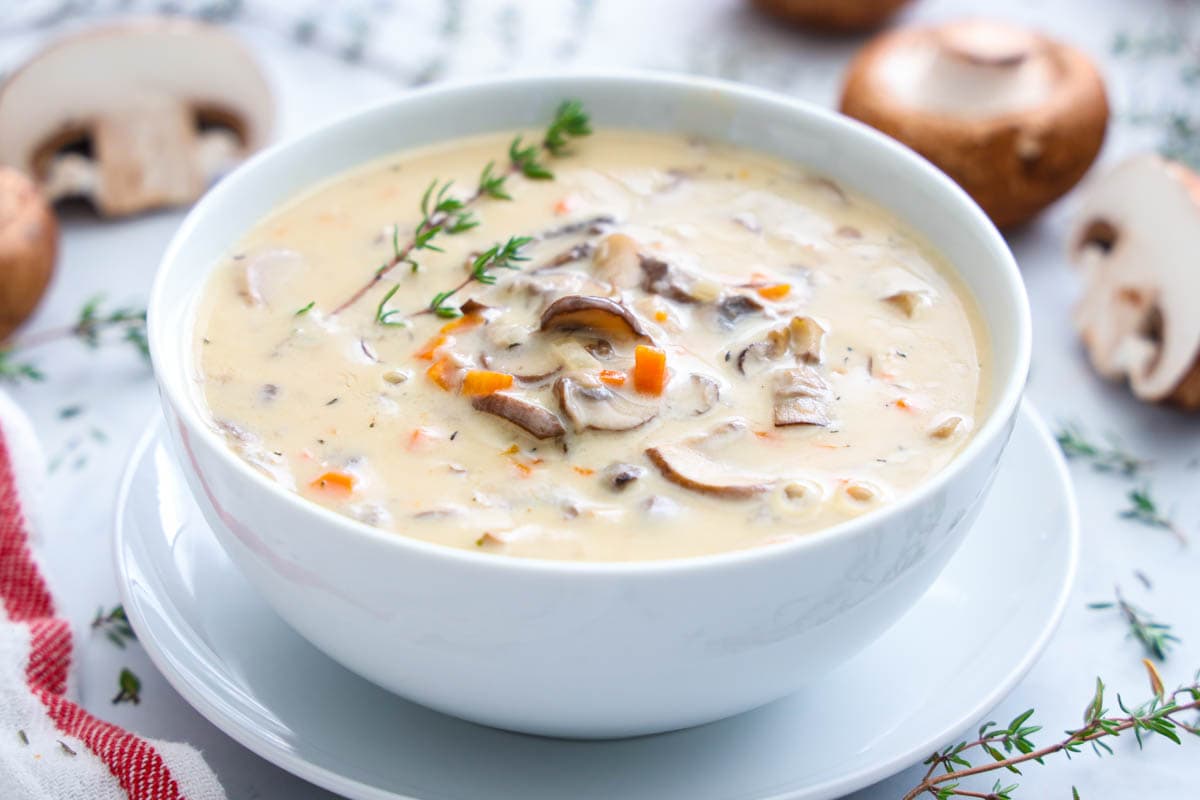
307	48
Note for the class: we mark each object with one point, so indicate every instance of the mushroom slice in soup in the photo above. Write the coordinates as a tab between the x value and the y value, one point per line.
594	406
800	397
530	417
599	314
684	465
616	260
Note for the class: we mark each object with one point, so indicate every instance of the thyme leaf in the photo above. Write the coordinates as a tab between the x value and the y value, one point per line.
130	687
115	625
1109	457
384	315
89	328
1143	508
1155	637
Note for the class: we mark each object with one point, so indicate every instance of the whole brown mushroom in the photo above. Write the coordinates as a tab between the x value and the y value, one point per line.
28	246
1136	239
1015	117
833	15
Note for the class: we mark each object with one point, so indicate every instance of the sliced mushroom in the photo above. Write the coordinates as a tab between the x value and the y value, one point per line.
616	260
134	116
549	285
800	397
619	475
698	396
733	306
908	302
685	466
593	225
807	337
1136	241
572	254
754	358
530	417
599	314
947	427
597	407
667	280
1016	118
267	276
833	15
28	248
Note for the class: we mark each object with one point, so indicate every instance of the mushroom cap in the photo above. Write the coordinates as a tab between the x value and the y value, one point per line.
833	15
28	247
1015	117
144	85
1136	238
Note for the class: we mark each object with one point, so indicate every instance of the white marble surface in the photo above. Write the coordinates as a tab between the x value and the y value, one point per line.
720	37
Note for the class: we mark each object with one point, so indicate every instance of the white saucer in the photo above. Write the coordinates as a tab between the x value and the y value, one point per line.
233	659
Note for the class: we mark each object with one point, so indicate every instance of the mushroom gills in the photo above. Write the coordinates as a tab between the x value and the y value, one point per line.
597	407
800	397
579	312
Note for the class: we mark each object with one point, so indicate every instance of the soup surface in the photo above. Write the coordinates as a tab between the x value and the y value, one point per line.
704	349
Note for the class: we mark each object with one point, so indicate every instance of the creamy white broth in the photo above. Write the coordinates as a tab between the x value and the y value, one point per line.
890	397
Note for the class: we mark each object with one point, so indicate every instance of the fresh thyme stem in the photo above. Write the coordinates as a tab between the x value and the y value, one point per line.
442	213
1157	716
1154	636
87	328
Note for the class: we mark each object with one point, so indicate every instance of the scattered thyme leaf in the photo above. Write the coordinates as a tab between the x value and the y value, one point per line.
301	312
385	316
23	737
1109	457
130	688
66	748
1155	637
115	625
1144	509
70	412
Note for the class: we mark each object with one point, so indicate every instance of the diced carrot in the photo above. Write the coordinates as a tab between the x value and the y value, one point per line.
523	468
774	291
442	372
564	205
339	483
613	377
764	434
584	471
464	323
511	451
480	382
430	348
649	369
661	315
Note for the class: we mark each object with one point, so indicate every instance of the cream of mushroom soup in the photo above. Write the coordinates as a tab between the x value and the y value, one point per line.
671	348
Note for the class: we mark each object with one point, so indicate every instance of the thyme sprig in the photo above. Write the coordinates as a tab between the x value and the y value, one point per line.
1012	746
91	327
443	213
1109	457
1144	509
115	625
1156	637
482	270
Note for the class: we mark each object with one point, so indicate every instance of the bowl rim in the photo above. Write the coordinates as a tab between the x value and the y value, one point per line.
1007	389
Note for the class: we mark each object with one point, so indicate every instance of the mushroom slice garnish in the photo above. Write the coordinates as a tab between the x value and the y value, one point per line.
530	417
594	225
807	337
685	466
800	397
619	475
1136	241
265	277
599	314
667	280
908	302
698	396
732	307
151	113
597	407
616	260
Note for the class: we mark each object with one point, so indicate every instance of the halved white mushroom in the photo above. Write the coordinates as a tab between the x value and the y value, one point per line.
1136	239
1012	115
833	15
134	116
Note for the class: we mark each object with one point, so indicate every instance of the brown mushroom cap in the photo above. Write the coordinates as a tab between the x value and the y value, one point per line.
833	15
28	246
530	417
687	467
1136	239
581	312
134	116
1016	118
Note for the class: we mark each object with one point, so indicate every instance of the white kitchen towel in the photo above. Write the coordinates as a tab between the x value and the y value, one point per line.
51	748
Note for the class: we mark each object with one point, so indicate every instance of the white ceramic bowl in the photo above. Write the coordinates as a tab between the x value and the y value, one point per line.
577	649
